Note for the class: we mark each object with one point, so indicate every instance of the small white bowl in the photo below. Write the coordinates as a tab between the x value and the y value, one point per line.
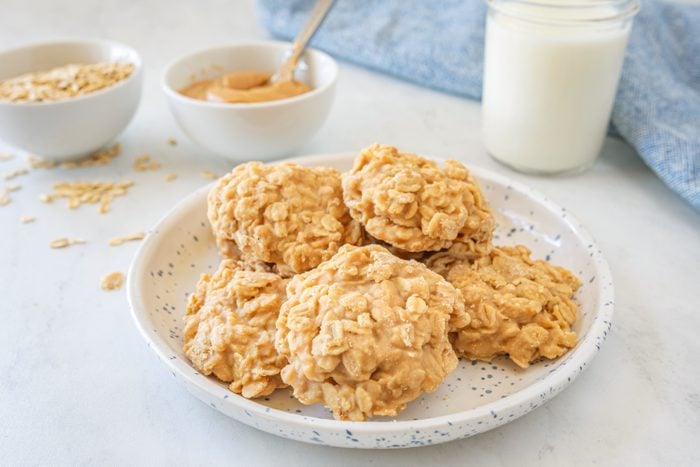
264	130
74	127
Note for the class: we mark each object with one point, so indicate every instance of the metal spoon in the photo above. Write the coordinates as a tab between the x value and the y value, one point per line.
318	14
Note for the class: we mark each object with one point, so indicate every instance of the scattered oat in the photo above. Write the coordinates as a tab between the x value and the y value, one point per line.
60	243
172	141
169	177
78	193
15	173
27	219
5	156
209	174
36	162
64	242
63	82
5	198
143	163
96	159
13	187
126	238
112	281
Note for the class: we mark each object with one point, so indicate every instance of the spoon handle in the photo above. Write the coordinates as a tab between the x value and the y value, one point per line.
318	14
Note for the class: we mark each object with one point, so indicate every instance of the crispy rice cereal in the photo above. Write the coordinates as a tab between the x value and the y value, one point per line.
519	306
63	82
285	214
366	332
230	328
413	204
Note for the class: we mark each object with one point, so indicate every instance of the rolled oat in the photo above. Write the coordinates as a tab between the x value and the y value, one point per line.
112	281
63	82
126	238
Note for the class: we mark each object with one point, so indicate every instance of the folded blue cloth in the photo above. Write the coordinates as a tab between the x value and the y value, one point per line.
440	45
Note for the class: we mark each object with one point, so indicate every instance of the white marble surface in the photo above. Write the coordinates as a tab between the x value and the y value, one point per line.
78	386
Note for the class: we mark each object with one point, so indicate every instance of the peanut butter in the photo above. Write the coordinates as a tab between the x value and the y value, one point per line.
243	86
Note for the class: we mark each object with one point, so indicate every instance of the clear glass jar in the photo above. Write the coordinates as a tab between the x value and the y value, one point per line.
551	69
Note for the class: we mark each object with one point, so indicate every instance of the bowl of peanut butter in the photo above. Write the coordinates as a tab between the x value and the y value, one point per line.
229	101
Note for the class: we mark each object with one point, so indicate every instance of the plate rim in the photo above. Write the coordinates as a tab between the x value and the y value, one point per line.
577	360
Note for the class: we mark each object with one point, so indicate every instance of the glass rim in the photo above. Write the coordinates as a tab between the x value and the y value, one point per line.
623	9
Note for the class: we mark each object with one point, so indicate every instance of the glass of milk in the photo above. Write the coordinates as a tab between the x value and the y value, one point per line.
550	75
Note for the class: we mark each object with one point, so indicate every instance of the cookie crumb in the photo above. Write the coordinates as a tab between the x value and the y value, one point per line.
112	281
126	238
169	177
26	219
172	141
44	198
209	174
13	187
144	163
5	199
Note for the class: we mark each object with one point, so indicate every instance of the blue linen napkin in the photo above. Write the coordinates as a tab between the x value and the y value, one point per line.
440	45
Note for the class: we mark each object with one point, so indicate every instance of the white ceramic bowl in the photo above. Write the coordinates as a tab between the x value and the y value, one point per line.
74	127
474	398
264	130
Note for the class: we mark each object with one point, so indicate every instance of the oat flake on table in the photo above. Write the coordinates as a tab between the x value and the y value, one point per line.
144	163
65	242
78	193
112	281
15	173
126	238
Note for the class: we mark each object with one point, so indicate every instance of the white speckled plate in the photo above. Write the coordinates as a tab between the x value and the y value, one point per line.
476	397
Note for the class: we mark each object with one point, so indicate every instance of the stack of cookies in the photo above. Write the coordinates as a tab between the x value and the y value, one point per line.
362	290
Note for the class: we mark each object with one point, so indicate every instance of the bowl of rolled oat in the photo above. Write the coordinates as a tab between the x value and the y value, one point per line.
65	99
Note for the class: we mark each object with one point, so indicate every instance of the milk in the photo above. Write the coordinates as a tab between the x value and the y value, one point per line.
549	88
